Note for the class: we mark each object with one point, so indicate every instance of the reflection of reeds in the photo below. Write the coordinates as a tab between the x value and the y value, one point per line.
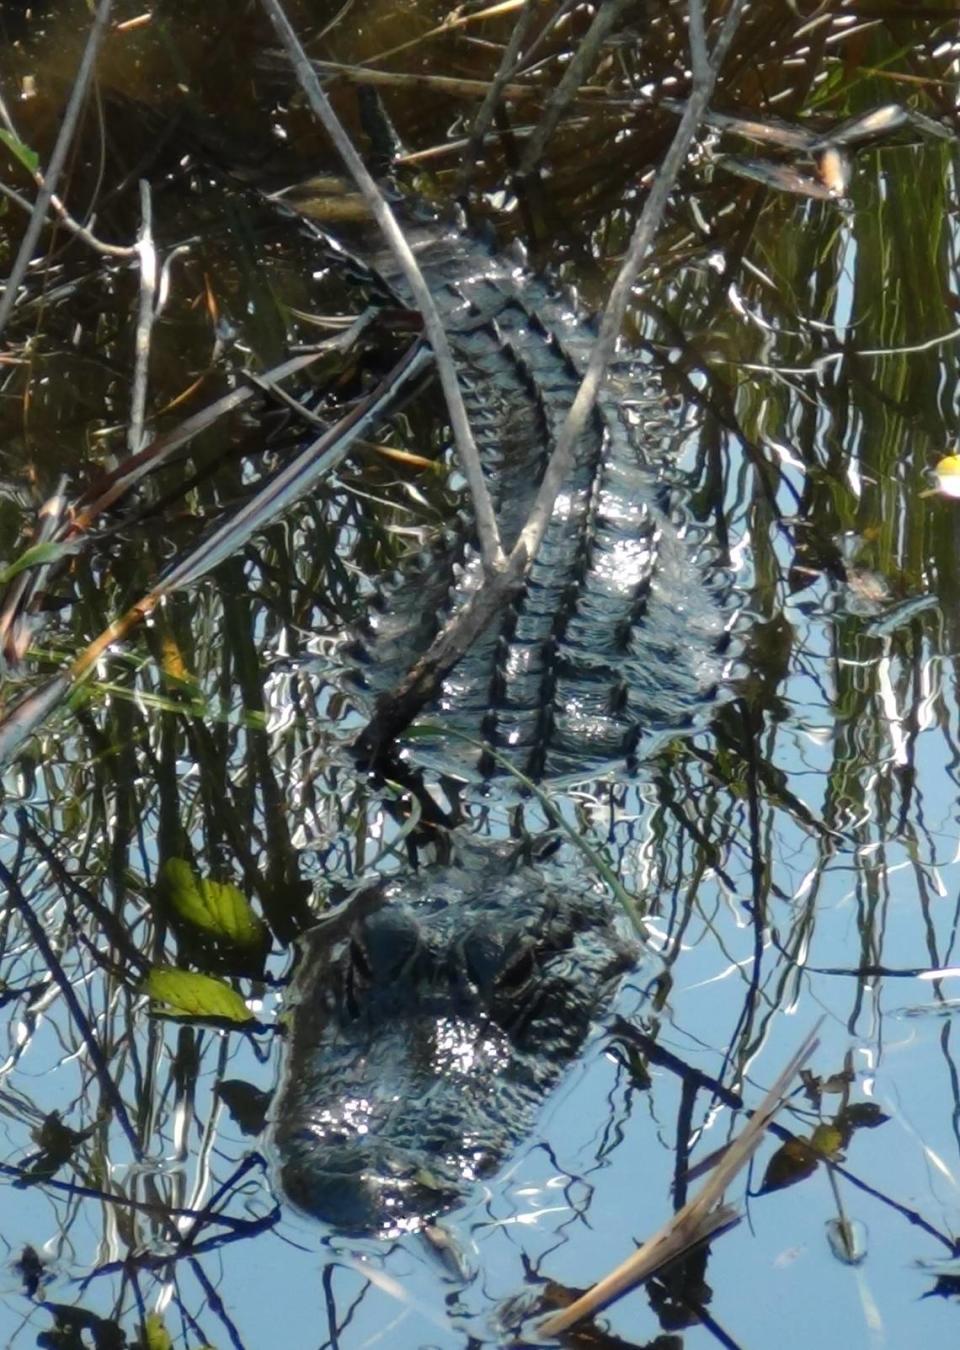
742	843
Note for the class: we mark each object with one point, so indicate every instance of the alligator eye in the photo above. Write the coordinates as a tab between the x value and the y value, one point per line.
384	945
496	962
482	955
359	964
518	967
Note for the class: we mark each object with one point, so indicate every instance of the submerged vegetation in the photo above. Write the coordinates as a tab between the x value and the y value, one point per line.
222	452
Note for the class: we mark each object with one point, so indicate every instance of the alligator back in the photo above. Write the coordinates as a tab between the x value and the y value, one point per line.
432	1014
620	630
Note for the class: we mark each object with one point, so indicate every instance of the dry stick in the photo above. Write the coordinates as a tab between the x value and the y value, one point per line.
454	20
604	20
487	531
58	158
145	317
698	1217
437	84
74	226
396	709
484	118
148	1207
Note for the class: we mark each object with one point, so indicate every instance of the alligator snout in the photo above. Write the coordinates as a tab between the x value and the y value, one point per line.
360	1188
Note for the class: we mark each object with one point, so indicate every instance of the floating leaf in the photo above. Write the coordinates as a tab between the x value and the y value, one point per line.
214	908
799	1158
792	1162
27	157
155	1334
247	1104
827	1140
862	1116
185	993
57	1145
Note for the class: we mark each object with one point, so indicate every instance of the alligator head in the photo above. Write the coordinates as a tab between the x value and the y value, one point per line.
432	1015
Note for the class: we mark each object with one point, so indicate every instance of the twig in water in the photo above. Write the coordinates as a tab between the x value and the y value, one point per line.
441	84
16	597
286	486
607	15
698	1218
611	321
488	533
82	232
58	525
111	1092
127	474
508	68
454	20
145	316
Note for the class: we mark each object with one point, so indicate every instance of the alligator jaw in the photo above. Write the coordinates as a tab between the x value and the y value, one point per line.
361	1190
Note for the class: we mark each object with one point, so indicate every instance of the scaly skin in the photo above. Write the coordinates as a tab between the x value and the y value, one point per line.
619	633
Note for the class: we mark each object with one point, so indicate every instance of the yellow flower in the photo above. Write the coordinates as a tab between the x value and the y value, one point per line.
947	471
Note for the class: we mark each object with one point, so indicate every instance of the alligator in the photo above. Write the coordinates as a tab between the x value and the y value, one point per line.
433	1013
431	1016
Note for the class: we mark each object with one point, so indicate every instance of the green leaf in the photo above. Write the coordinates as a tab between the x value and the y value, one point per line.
185	993
792	1162
827	1140
155	1334
35	556
27	157
214	908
